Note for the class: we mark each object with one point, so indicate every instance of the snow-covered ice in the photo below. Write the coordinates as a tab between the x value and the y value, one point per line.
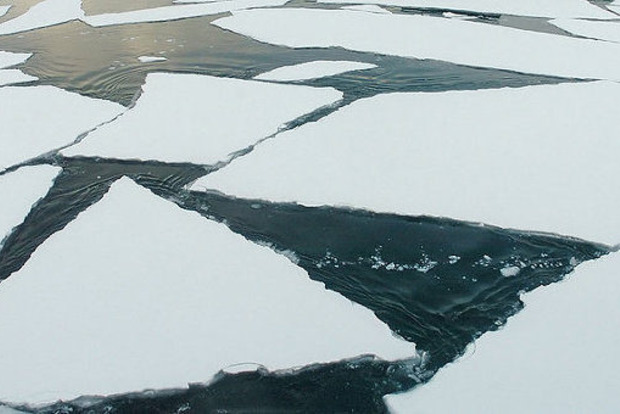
200	119
151	59
541	158
175	12
39	119
312	70
426	37
137	293
533	8
19	190
43	14
558	355
12	76
590	28
10	59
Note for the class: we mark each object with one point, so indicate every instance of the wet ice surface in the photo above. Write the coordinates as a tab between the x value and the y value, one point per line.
438	283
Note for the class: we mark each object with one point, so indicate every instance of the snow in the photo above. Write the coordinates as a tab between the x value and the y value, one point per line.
313	70
43	14
150	59
137	293
588	28
533	8
19	190
12	76
558	355
200	119
11	59
540	158
158	14
368	8
458	41
42	118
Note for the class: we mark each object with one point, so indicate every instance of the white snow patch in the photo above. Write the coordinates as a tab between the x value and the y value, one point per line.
150	59
368	8
137	293
11	59
175	12
200	119
458	41
533	8
589	28
558	355
39	119
541	158
12	76
44	14
19	190
313	70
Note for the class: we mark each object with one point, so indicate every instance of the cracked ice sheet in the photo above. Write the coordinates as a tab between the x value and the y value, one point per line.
154	296
176	12
39	119
598	30
200	119
19	190
456	41
540	158
46	13
531	8
313	70
12	76
11	59
558	355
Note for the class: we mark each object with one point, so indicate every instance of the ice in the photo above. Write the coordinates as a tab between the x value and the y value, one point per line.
200	119
510	271
558	355
10	59
588	28
540	158
457	41
533	8
4	10
43	14
369	8
150	59
176	12
38	119
12	76
312	70
19	190
137	293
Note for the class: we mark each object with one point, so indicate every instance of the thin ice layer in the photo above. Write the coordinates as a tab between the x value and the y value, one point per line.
200	119
462	42
10	59
159	14
19	190
589	28
540	158
39	119
532	8
313	70
148	295
43	14
559	355
12	76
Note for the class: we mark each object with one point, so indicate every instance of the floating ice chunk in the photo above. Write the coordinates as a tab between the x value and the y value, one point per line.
19	190
533	8
589	28
368	8
137	293
12	76
150	59
44	14
38	119
560	355
10	59
458	41
510	271
200	119
540	158
159	14
312	70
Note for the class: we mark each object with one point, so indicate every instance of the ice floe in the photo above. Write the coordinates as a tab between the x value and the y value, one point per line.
43	14
137	293
426	37
12	76
151	59
39	119
589	28
532	8
540	158
176	12
312	70
19	190
10	59
200	119
560	355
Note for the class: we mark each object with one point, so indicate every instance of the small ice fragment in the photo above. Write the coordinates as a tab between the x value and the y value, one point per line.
149	59
452	259
510	271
